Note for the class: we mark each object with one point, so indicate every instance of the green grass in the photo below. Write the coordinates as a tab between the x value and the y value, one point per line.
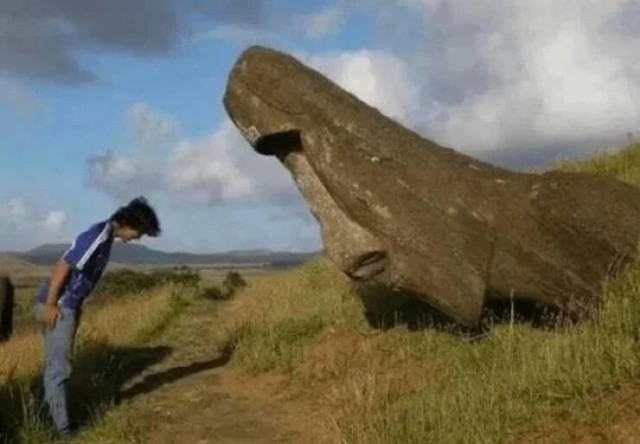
128	282
496	386
276	347
623	164
177	303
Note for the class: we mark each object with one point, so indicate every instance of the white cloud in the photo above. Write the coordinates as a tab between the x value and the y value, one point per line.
115	169
223	167
14	211
141	170
324	23
27	222
54	221
121	176
151	127
380	79
218	168
513	74
204	171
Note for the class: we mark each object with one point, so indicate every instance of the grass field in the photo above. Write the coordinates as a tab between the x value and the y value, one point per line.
111	348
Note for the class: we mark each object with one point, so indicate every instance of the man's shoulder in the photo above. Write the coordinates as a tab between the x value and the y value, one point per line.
95	230
96	233
93	239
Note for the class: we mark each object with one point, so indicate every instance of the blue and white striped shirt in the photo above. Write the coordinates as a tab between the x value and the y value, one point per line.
88	257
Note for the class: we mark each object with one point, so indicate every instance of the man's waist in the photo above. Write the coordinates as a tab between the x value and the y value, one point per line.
70	293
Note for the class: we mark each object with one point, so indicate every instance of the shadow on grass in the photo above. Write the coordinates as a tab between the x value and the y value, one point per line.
157	380
384	310
99	372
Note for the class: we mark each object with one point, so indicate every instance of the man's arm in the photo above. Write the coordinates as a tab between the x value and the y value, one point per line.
59	276
75	257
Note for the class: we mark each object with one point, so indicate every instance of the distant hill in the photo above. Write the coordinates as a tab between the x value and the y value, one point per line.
11	264
541	158
132	254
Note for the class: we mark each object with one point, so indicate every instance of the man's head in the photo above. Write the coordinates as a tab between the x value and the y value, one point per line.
135	220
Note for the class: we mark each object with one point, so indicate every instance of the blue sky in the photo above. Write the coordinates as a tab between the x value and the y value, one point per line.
96	108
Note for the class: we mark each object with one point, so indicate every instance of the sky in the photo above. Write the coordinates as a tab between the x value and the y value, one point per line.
101	102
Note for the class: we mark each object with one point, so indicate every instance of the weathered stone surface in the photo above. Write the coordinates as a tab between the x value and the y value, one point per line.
399	210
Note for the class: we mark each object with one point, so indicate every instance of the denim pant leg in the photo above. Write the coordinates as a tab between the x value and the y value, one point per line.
58	354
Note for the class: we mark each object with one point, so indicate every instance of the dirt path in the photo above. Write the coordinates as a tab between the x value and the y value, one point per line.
187	398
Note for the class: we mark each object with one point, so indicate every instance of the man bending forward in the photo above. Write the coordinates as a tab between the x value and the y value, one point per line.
59	301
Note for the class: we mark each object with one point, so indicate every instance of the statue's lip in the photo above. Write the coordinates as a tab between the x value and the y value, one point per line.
368	265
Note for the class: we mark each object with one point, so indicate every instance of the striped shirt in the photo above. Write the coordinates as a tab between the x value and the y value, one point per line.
88	257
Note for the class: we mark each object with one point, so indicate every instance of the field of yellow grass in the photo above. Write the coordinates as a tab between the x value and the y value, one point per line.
107	352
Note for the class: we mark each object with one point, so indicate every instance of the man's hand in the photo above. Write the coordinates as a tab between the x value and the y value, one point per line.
59	275
50	315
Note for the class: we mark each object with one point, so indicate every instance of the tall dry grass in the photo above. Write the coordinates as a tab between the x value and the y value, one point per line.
107	352
269	322
122	322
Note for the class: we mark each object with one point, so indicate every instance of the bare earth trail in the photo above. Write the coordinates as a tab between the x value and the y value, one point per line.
191	397
187	398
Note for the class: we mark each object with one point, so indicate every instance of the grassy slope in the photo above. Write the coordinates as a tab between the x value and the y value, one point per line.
624	164
429	386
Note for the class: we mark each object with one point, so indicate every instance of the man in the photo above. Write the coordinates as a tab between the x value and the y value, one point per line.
59	301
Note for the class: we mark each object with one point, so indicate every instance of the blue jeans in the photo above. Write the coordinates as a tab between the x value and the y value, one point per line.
58	344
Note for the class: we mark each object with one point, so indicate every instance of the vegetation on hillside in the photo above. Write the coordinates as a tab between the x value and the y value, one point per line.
623	164
128	282
231	284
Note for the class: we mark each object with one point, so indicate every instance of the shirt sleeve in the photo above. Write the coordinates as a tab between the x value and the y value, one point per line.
83	247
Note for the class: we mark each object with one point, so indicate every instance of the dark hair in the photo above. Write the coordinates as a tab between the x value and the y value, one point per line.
139	215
